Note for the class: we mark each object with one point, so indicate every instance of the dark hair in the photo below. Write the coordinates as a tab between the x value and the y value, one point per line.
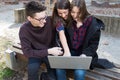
60	4
33	7
82	8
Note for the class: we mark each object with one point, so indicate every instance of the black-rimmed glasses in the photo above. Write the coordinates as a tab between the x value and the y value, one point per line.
41	19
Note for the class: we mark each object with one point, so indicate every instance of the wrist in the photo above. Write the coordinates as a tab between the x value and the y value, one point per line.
66	51
48	51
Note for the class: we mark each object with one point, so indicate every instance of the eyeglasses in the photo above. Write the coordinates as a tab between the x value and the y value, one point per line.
41	19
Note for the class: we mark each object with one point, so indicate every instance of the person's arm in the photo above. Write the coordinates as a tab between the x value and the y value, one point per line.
93	44
29	51
63	40
64	43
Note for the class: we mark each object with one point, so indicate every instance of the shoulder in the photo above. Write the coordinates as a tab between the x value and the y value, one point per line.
49	20
98	23
59	26
24	25
24	28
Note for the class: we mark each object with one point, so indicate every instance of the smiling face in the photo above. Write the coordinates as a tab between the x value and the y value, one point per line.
63	13
75	13
39	19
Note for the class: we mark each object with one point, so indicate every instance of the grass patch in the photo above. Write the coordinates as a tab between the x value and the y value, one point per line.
6	73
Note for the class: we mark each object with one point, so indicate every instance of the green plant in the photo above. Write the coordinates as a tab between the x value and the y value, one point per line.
6	73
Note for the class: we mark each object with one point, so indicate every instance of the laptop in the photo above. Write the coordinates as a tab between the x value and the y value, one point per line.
72	62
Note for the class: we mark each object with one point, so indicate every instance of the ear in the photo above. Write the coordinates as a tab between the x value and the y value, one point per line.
29	18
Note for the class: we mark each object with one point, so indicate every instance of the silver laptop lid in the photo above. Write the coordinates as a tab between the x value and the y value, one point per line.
72	62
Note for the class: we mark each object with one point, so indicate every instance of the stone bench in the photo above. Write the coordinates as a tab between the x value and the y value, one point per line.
96	74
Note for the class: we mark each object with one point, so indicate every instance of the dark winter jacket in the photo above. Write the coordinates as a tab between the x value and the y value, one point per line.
91	40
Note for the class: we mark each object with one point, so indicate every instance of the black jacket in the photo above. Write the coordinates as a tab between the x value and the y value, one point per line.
91	41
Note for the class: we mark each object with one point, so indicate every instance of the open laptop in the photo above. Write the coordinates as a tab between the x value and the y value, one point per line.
72	62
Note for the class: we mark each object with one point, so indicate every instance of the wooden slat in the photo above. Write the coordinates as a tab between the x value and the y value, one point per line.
116	70
95	76
106	73
17	45
117	65
17	50
88	77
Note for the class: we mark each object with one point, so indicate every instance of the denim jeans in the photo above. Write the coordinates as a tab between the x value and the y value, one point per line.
78	74
34	66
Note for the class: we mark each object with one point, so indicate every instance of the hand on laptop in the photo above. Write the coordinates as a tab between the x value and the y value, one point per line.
83	55
56	51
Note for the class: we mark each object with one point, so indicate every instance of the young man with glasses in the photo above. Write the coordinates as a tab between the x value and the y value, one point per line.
36	37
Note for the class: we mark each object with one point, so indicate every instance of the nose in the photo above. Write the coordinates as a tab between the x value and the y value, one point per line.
63	15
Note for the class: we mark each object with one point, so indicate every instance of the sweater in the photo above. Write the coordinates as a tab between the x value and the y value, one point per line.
36	40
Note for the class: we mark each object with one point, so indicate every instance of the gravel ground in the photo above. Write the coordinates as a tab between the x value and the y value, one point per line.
108	47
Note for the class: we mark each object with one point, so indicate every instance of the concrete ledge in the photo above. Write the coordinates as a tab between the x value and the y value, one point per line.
112	24
19	15
11	1
106	4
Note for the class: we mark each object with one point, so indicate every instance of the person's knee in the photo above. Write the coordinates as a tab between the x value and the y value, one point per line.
80	73
61	74
33	72
33	67
60	71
